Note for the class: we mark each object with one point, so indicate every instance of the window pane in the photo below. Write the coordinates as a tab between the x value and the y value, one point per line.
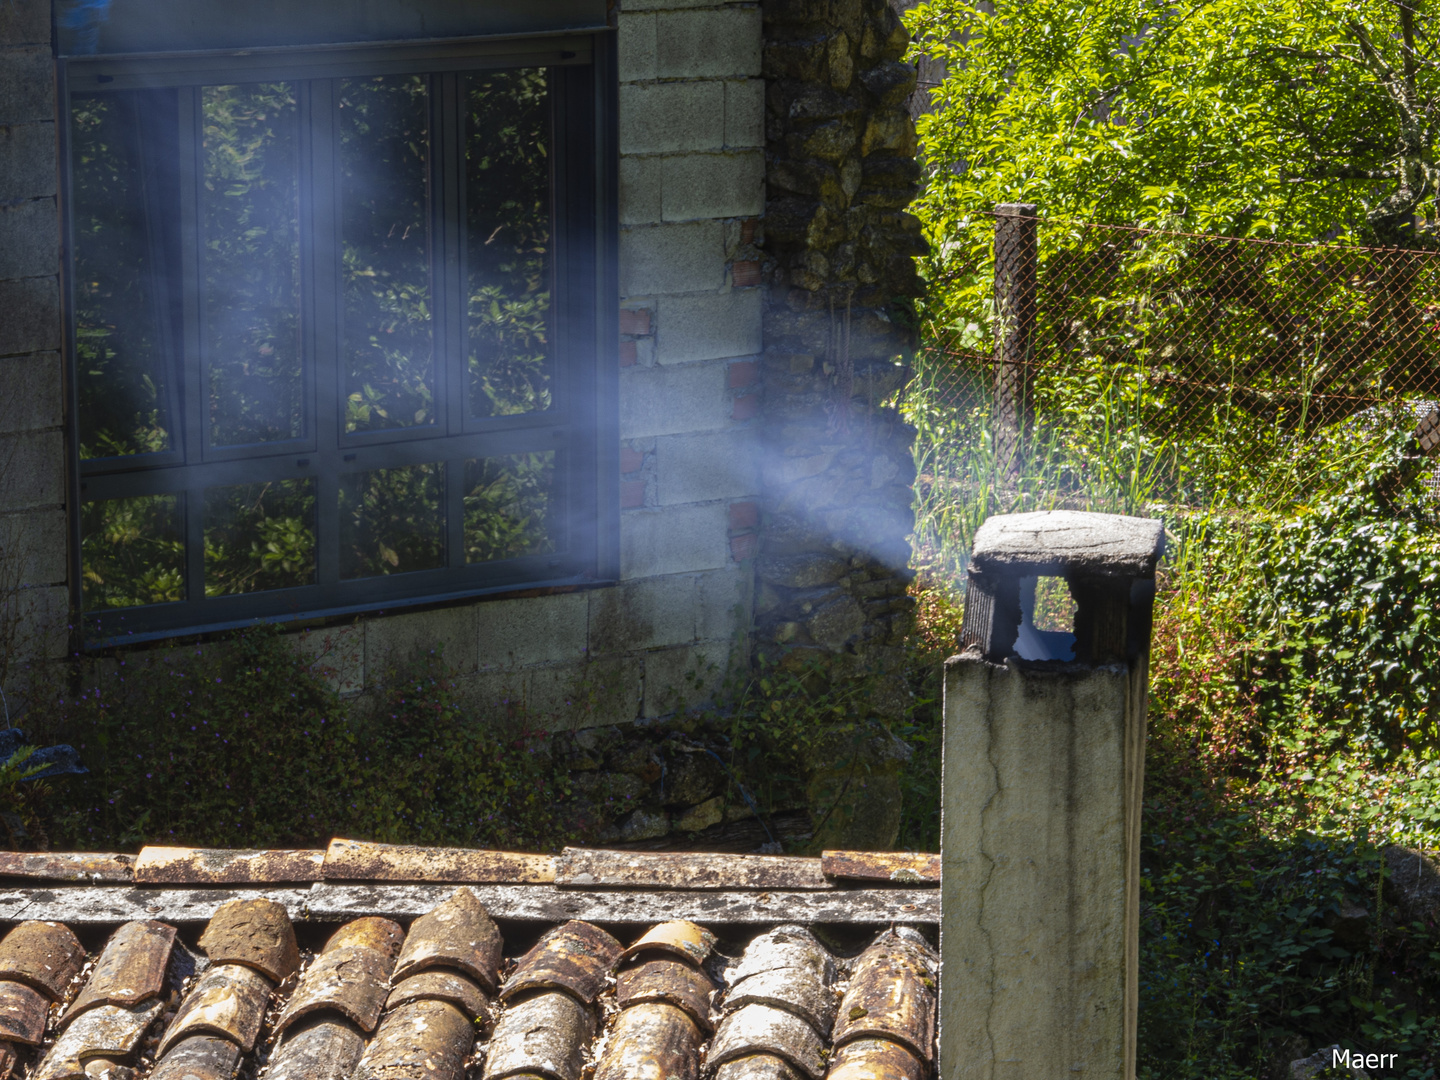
510	506
384	136
250	255
126	245
508	244
259	536
392	520
132	552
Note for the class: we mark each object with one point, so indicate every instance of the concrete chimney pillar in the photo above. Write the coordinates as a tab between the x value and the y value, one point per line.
1043	774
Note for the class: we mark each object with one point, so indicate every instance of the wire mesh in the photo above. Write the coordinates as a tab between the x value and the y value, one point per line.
1214	361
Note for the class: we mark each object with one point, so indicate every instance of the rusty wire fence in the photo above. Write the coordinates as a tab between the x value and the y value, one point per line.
1119	367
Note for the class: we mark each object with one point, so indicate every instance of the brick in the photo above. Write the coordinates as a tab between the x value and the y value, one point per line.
708	327
629	355
532	630
32	470
30	392
31	319
746	407
745	113
641	190
742	373
635	321
745	275
27	84
667	117
29	239
636	46
632	494
335	653
672	258
37	541
726	603
744	547
647	613
695	468
675	540
719	43
665	401
25	22
744	515
451	631
27	160
712	185
630	460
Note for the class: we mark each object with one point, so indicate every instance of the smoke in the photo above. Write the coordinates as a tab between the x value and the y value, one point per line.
85	18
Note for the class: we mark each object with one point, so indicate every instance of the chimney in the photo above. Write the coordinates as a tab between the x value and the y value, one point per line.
1043	775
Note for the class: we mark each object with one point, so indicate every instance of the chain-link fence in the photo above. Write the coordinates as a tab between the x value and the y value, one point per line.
1209	365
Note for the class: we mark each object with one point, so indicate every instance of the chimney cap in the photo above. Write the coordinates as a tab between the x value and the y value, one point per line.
1069	542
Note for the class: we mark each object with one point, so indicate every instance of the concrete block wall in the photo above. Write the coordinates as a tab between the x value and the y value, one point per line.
33	599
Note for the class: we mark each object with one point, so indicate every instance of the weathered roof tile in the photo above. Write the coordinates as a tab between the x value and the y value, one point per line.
131	968
356	860
207	866
575	957
45	955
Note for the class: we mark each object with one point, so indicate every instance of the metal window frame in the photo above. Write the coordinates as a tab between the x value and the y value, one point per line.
582	424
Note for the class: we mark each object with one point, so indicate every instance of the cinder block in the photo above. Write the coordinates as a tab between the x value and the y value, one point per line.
31	397
640	190
32	549
25	22
685	677
336	653
395	639
713	185
636	47
727	603
43	628
29	239
645	614
673	5
715	43
708	326
675	540
32	471
27	160
533	630
568	697
27	84
672	258
696	468
661	118
31	314
666	400
745	113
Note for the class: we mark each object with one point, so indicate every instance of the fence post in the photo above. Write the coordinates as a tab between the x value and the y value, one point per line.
1017	253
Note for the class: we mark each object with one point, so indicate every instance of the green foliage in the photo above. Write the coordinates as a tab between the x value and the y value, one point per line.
243	743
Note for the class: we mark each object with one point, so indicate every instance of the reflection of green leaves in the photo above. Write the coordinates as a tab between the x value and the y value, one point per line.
508	506
259	536
392	520
132	552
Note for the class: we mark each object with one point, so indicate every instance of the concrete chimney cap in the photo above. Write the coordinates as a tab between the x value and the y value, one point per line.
1065	541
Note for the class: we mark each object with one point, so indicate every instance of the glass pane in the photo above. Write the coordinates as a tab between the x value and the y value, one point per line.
250	256
383	128
132	552
124	153
510	506
392	520
259	536
508	244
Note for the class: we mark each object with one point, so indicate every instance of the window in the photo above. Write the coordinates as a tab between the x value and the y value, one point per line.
340	327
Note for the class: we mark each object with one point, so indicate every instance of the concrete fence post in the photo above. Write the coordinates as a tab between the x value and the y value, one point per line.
1017	253
1043	775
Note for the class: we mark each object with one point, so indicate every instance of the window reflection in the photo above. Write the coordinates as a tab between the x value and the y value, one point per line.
132	552
259	536
125	189
250	255
392	520
384	151
510	506
508	242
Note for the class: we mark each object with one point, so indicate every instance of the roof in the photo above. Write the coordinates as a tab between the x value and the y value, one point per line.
467	989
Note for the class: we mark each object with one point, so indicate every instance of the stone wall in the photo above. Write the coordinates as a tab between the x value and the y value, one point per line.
839	247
